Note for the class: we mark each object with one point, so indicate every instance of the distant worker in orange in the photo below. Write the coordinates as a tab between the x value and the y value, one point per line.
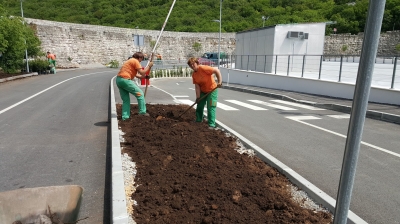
52	59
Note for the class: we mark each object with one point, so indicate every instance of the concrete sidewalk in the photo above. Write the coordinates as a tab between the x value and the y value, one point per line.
384	112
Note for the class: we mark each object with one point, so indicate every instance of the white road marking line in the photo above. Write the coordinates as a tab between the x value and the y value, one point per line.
246	105
22	101
297	105
225	107
340	116
299	118
219	105
180	96
188	102
191	88
272	105
177	84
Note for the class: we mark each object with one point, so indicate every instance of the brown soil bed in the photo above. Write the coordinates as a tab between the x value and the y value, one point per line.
187	173
4	75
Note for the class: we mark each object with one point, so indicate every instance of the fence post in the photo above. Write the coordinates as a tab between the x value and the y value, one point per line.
265	62
394	72
302	69
248	61
276	63
288	65
340	70
320	67
255	64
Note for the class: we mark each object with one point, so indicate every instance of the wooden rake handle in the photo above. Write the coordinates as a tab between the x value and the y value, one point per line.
197	101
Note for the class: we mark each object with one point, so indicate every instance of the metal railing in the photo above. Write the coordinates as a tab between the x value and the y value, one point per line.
340	68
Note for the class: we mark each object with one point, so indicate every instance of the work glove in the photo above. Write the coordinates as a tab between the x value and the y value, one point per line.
219	85
150	64
147	77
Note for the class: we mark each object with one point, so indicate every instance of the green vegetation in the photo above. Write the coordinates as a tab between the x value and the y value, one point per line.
198	15
113	64
197	47
398	47
344	48
15	38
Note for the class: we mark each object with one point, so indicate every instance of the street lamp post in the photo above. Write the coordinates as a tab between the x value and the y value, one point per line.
220	22
264	18
26	50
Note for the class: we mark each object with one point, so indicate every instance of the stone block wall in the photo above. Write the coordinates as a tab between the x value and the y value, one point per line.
348	44
79	44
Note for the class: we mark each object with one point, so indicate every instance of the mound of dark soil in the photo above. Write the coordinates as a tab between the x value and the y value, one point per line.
187	173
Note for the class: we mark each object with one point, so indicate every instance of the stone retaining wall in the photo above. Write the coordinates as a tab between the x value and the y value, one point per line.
79	44
348	44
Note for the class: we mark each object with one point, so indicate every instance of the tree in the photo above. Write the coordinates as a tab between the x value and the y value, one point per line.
15	38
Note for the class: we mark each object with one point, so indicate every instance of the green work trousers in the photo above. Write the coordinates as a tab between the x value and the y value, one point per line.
125	87
211	101
53	62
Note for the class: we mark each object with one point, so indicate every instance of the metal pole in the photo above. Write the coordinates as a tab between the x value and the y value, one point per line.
394	72
320	67
340	70
276	63
360	102
248	61
220	22
265	62
288	65
302	68
26	50
255	64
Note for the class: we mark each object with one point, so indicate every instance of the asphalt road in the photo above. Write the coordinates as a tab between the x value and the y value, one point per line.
312	143
54	131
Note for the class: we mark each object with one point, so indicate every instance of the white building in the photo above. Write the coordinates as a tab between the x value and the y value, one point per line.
281	48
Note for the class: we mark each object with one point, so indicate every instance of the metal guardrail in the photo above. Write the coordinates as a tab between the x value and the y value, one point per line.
340	68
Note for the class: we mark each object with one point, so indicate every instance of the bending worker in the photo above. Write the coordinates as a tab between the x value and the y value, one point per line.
204	82
131	69
52	59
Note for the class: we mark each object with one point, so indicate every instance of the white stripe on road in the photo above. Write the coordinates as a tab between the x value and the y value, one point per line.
272	105
246	105
180	96
219	105
297	105
340	116
299	118
225	107
22	101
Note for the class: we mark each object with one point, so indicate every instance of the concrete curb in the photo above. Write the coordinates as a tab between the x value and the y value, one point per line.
314	192
119	212
336	107
18	77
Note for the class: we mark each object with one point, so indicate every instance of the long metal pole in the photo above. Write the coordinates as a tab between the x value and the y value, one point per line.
219	44
359	108
26	50
162	29
158	39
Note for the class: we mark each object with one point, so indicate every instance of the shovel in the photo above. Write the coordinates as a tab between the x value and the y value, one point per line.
197	101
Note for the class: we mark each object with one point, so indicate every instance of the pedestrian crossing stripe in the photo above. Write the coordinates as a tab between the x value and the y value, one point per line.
297	105
340	116
272	105
219	105
246	105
